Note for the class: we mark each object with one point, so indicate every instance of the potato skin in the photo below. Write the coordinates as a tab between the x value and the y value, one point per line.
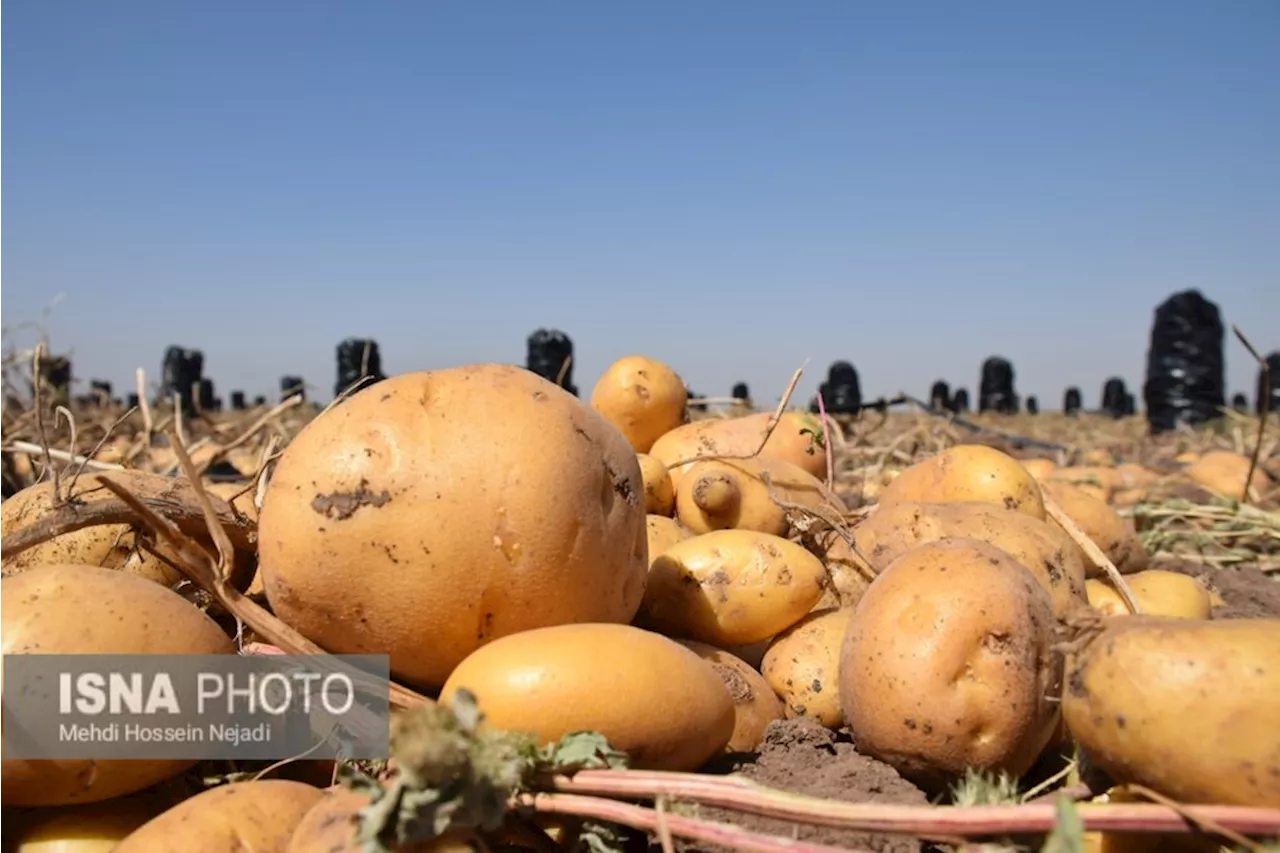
69	609
802	666
642	397
968	472
258	816
754	704
663	532
331	824
1040	546
1112	533
725	494
435	511
659	495
1187	708
1223	473
731	587
1159	593
87	828
741	437
651	697
947	664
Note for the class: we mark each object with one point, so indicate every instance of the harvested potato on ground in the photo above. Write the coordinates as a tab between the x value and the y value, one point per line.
802	666
236	495
968	472
659	496
1187	708
435	511
731	587
848	576
650	696
754	704
90	610
1159	593
725	494
1040	546
88	828
1224	473
258	816
662	533
792	440
1109	530
948	664
1041	469
642	397
332	823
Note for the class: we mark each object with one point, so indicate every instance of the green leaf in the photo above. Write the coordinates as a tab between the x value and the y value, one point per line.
583	751
1068	829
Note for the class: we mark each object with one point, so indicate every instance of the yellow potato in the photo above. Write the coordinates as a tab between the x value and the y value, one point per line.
754	704
792	440
642	397
802	666
968	472
1110	531
1185	707
87	828
651	697
659	496
731	587
662	533
1159	593
848	575
948	664
723	494
331	825
1041	469
1224	473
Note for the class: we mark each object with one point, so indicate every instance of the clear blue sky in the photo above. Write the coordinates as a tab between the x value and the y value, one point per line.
733	186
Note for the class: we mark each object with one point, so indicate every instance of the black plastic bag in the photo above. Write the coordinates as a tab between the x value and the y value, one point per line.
1033	406
842	392
181	375
1273	364
550	355
996	392
208	402
260	400
237	401
939	396
132	401
357	358
741	392
1185	363
1071	401
1115	397
291	386
960	401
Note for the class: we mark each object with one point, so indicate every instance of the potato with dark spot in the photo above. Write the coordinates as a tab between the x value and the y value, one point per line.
750	494
968	472
1111	532
754	704
1188	708
642	397
659	496
947	664
802	666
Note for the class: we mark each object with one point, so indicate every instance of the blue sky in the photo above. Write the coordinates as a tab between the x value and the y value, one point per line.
733	186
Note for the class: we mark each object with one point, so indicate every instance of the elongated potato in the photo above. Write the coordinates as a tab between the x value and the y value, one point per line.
1224	473
1041	469
731	587
968	472
659	495
1159	593
1040	546
792	440
723	494
642	397
754	704
948	664
802	666
1111	532
1187	708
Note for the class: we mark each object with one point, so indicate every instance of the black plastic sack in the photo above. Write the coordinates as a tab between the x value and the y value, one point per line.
995	392
1240	403
357	358
1185	363
182	371
960	401
1130	404
841	393
1273	364
548	350
1115	397
1071	401
237	401
132	401
260	400
740	392
208	401
100	390
291	386
1033	405
939	396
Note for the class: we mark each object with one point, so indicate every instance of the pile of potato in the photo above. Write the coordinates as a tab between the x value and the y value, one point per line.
676	586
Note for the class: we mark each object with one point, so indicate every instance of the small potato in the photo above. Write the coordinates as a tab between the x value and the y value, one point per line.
731	587
662	533
1185	707
723	494
1223	473
792	440
802	666
642	397
258	816
948	664
1159	593
1041	469
754	704
1110	531
848	574
650	696
88	828
968	472
659	495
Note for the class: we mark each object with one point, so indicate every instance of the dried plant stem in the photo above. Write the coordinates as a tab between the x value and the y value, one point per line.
1092	550
826	442
85	461
249	433
564	370
36	385
140	385
1264	407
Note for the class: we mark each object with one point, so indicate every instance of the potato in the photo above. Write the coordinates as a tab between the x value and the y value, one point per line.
754	704
731	587
1185	707
258	816
642	397
88	828
651	697
1041	469
947	664
802	666
968	472
1111	532
1159	593
792	441
435	511
1224	473
662	533
1040	546
718	494
848	576
89	610
331	825
659	495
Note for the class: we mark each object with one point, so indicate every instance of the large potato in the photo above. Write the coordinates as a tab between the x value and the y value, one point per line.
731	587
723	494
258	816
1224	473
331	826
433	512
1159	593
642	397
754	704
1111	532
1040	546
651	697
948	664
792	440
968	472
73	610
802	666
1185	707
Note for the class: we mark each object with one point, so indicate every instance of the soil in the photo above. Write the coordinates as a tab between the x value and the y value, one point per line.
803	757
1246	593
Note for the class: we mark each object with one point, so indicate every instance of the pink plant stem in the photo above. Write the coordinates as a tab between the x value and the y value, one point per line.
699	830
